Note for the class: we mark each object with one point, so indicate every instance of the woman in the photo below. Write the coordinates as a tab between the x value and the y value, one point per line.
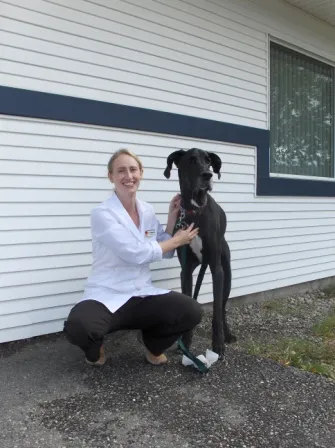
119	295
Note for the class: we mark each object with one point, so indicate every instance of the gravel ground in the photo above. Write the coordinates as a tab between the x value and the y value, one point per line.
277	319
51	399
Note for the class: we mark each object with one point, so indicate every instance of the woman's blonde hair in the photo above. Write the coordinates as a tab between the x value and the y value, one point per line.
119	153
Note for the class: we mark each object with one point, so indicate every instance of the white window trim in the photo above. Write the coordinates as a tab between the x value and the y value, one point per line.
291	46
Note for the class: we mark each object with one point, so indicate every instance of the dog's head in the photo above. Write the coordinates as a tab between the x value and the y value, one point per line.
194	169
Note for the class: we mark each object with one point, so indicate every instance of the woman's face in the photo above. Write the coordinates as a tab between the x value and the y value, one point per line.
126	175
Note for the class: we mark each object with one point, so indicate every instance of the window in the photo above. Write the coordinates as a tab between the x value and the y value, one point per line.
301	114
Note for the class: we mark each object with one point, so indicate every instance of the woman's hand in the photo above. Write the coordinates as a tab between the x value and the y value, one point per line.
183	237
174	207
180	238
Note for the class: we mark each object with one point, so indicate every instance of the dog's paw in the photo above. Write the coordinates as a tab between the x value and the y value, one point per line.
230	338
220	350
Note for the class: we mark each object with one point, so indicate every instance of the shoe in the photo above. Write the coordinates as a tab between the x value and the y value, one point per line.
101	361
152	359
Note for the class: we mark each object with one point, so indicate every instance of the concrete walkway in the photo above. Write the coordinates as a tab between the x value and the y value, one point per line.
51	399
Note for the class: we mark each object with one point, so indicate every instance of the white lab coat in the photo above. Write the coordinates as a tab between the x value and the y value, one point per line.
122	253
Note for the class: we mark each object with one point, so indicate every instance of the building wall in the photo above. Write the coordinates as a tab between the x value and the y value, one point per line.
128	54
200	58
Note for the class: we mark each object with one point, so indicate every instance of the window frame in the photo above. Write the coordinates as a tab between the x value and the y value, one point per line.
292	184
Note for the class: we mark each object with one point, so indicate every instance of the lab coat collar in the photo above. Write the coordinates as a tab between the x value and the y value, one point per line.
116	205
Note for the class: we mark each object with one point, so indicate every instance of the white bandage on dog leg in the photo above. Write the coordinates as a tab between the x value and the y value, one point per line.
208	359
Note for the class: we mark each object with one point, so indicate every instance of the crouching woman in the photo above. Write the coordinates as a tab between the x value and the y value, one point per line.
119	294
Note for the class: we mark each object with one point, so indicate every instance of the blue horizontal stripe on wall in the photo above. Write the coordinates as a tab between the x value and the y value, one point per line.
33	104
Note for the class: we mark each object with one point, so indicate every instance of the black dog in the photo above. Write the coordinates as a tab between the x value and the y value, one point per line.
210	248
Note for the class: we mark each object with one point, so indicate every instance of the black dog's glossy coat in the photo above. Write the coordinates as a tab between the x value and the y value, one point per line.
194	179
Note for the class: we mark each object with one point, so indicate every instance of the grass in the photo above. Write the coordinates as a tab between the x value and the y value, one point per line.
317	358
313	356
326	328
280	306
273	305
329	290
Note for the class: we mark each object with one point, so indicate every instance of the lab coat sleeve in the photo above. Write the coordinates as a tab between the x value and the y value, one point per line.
107	230
163	236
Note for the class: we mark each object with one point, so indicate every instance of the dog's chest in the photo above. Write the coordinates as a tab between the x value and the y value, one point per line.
196	246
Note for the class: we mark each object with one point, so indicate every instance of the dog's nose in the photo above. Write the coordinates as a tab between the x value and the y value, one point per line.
207	175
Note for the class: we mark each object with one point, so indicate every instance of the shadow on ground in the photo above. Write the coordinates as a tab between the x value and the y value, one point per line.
51	399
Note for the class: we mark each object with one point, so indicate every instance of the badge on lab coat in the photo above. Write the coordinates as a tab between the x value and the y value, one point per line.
150	233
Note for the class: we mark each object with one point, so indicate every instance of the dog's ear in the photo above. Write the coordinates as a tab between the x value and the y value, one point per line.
215	163
173	157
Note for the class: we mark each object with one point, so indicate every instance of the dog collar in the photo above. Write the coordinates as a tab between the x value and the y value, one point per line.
181	223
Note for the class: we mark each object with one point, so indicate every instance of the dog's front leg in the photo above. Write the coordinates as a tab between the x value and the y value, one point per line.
217	324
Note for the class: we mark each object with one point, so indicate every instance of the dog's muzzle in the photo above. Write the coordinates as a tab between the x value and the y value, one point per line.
207	176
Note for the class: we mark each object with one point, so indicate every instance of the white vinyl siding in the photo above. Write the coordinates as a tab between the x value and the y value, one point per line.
53	174
194	57
126	54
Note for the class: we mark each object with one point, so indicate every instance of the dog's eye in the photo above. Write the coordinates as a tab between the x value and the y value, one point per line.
208	160
193	159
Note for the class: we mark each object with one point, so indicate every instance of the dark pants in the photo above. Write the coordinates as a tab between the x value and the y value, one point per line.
162	319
